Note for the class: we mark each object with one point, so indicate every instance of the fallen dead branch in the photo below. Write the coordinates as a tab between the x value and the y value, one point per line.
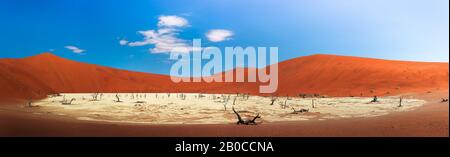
299	111
245	121
65	102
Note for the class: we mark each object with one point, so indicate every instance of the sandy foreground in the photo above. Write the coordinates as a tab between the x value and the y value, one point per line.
421	115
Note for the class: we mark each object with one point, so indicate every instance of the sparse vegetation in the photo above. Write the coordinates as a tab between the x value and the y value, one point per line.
315	95
184	108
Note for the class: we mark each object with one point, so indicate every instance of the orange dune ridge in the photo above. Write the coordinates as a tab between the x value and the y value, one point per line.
37	76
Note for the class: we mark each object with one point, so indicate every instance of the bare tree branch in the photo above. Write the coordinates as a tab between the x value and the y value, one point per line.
245	122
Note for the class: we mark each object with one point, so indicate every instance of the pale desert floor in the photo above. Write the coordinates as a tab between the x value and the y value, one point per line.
178	108
422	114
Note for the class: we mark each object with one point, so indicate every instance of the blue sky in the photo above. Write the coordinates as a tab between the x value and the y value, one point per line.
415	30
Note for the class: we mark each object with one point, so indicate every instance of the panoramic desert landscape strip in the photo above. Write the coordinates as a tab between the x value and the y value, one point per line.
318	95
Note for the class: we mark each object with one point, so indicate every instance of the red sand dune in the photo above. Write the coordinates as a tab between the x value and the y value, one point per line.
354	76
36	76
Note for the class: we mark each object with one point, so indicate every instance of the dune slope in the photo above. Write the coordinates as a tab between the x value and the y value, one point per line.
355	76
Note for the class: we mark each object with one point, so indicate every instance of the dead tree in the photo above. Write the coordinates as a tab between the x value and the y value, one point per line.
247	121
375	99
200	95
68	102
30	104
118	98
225	99
234	101
400	103
312	103
300	111
284	105
273	99
302	95
94	97
183	96
225	106
64	99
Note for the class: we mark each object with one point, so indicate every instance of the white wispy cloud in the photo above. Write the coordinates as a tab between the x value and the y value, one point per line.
164	39
172	21
123	42
218	35
75	49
